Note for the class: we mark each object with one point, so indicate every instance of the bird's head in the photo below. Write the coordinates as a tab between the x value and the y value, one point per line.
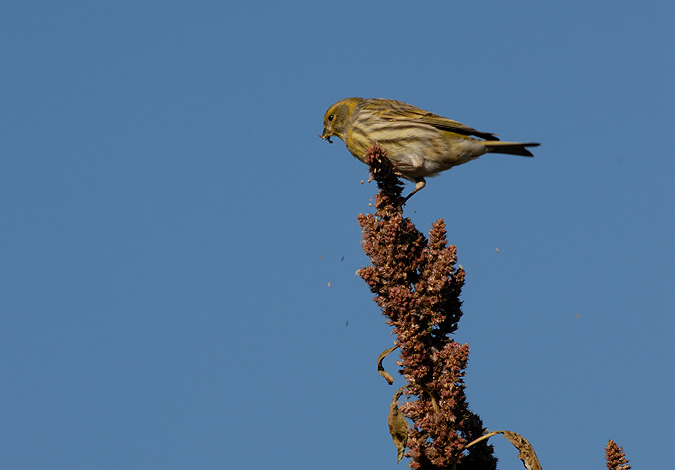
336	119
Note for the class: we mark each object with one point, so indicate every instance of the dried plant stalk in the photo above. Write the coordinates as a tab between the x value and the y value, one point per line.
417	286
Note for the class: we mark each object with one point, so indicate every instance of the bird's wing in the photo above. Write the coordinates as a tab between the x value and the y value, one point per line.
412	113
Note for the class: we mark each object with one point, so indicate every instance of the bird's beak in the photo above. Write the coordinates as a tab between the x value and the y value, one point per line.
326	137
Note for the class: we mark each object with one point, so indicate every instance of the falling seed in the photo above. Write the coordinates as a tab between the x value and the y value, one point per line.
497	250
577	314
328	283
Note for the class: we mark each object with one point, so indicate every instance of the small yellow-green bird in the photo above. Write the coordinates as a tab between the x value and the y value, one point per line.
419	143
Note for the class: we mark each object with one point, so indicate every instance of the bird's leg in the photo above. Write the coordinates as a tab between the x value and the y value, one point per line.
419	184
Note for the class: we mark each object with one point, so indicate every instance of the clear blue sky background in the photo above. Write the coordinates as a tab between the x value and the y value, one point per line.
171	224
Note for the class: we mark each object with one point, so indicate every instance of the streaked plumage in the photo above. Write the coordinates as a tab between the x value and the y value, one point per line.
419	143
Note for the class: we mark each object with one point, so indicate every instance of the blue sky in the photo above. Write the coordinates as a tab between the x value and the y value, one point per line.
178	252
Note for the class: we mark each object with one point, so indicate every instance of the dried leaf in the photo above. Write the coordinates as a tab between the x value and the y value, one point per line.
398	426
526	454
380	369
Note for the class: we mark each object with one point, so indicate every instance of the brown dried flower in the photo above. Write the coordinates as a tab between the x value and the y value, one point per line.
417	286
616	457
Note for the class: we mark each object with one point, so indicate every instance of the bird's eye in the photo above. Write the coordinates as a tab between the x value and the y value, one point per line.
330	118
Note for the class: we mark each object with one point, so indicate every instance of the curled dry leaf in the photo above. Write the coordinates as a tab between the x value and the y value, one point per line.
526	451
380	369
398	426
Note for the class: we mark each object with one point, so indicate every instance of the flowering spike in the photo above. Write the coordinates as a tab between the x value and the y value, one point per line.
616	457
417	286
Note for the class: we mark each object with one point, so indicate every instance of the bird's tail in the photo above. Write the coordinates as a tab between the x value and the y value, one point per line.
510	148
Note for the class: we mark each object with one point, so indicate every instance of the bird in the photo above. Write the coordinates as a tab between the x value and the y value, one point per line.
420	144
